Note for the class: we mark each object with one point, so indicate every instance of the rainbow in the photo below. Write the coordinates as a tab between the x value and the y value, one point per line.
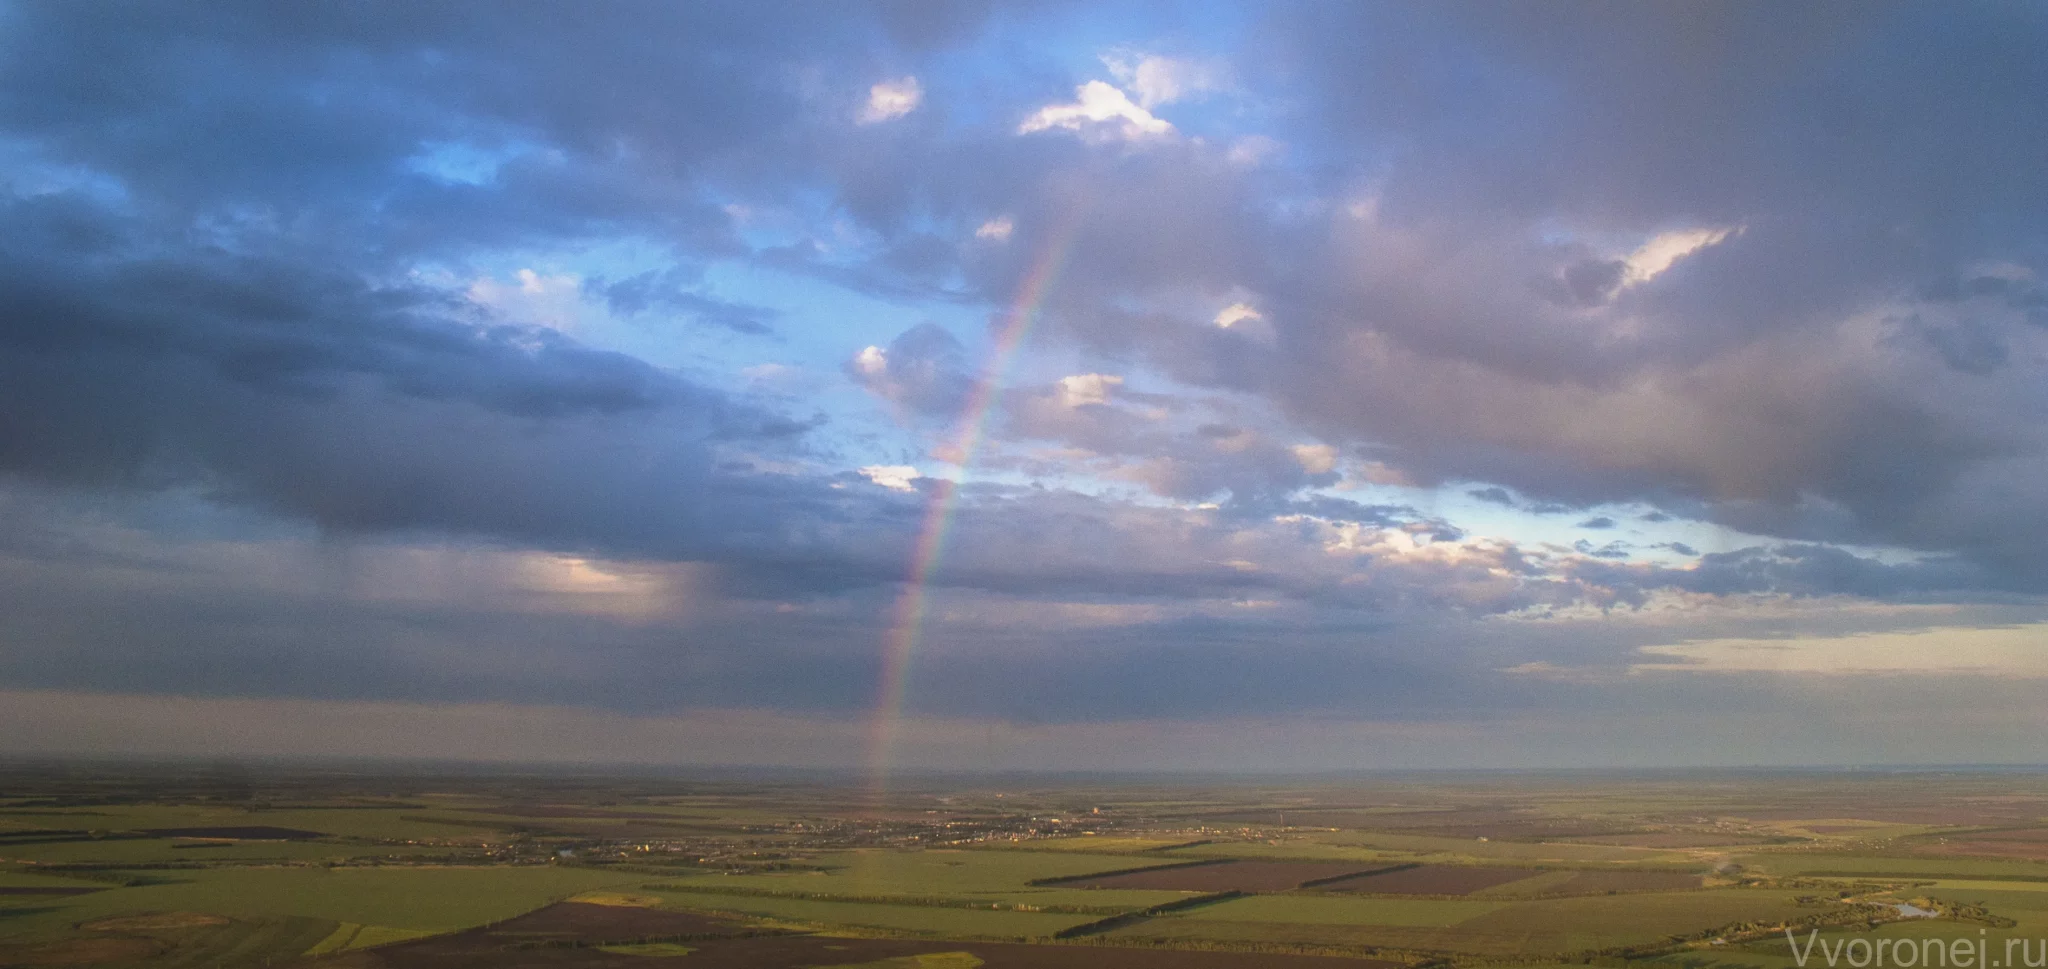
907	620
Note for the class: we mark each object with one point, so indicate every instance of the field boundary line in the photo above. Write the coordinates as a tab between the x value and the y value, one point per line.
1133	918
1064	879
914	901
1362	873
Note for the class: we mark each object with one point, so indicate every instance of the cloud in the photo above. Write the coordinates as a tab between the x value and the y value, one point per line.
1611	550
1971	345
1493	496
1158	80
1237	313
1546	670
895	477
1667	248
1252	150
677	291
1081	390
922	371
533	300
1246	321
997	229
2009	652
1804	570
1316	458
889	100
870	363
1099	110
294	379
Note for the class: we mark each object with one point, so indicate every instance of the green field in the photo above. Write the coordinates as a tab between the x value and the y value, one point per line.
13	878
1807	862
380	824
923	873
1292	849
986	878
1472	850
159	851
436	899
930	920
1085	900
1331	910
1494	928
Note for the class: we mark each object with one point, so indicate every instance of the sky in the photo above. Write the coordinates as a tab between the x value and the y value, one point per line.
1038	385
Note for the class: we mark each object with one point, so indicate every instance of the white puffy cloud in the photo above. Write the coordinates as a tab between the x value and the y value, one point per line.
1088	388
895	477
997	229
1158	80
1667	248
890	100
1245	319
1237	313
1099	109
1316	458
871	361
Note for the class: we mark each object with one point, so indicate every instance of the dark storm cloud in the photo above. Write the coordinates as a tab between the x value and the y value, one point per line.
1804	570
268	615
335	622
290	385
206	264
1591	282
84	287
1969	346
